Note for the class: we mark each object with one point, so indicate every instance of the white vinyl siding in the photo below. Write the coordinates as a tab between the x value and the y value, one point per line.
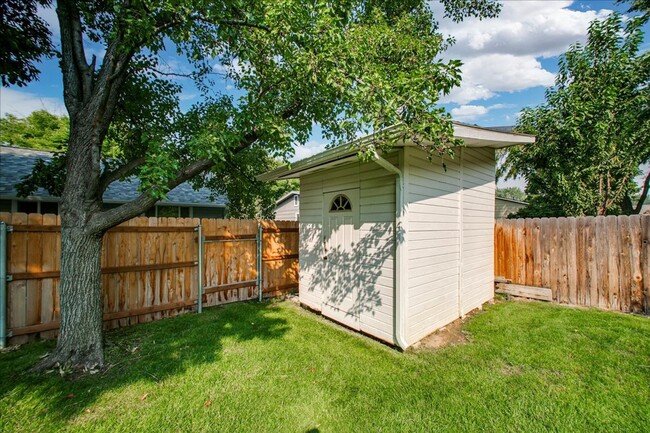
450	237
373	255
432	200
310	247
449	220
477	265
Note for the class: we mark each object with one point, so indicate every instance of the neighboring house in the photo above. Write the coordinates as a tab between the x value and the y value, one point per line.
505	206
400	246
287	208
18	162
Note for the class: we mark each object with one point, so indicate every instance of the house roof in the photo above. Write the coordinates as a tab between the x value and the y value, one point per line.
512	200
18	162
472	136
286	196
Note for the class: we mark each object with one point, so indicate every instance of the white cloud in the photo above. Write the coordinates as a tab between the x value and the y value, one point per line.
465	113
485	75
501	106
501	55
21	104
310	148
468	112
537	28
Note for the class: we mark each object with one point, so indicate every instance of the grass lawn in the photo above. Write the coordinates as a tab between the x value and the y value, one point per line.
273	367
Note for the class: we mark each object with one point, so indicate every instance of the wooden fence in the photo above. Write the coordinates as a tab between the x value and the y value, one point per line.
149	268
599	262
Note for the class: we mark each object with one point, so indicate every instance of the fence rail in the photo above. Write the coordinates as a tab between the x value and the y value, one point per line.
149	268
600	262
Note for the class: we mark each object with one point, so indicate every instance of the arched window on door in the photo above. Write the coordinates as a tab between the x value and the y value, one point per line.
340	203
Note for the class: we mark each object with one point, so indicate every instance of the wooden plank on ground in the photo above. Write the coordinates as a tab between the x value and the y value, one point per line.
540	293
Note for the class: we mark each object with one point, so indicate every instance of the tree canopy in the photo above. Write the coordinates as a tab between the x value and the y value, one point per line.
39	130
593	131
24	39
350	67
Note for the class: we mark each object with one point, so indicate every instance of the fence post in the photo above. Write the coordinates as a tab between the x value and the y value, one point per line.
260	232
199	228
3	284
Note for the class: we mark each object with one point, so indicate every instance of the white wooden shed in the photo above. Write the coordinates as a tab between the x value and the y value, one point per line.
398	247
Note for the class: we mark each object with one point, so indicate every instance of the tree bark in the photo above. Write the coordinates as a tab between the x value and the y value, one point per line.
80	342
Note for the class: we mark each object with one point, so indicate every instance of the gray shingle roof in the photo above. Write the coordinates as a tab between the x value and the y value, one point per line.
17	162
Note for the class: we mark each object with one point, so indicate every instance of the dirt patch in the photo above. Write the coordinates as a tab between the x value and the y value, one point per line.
450	335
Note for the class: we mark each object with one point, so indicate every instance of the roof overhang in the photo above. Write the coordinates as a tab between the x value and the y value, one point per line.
472	136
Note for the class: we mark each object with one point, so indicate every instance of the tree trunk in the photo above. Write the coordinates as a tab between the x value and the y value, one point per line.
80	342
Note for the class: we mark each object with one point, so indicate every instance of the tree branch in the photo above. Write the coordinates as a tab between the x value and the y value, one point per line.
72	83
86	71
644	194
111	176
102	221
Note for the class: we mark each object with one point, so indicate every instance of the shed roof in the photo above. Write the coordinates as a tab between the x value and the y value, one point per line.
18	162
472	136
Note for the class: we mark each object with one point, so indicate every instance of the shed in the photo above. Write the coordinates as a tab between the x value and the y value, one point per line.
399	246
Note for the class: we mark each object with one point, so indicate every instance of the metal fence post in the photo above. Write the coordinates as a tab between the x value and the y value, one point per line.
260	232
200	266
3	284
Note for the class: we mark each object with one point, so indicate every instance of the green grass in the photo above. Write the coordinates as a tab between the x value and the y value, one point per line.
273	367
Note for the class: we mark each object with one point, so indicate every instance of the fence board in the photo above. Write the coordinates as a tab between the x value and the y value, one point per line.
645	261
149	268
613	265
554	257
600	262
636	268
625	273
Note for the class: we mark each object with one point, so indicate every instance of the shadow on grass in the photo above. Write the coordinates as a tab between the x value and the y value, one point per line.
149	352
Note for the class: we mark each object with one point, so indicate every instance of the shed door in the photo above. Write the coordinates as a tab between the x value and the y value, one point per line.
340	250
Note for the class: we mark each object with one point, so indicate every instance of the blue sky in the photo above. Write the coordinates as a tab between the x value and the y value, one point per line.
508	63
